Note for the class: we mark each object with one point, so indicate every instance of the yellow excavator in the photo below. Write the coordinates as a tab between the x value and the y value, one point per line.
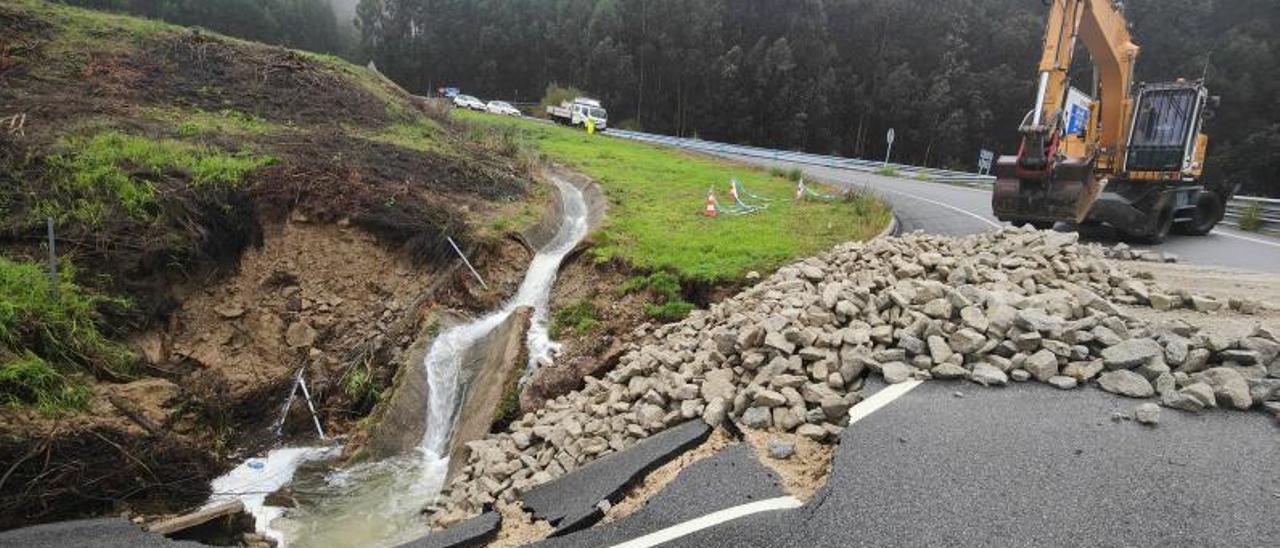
1129	156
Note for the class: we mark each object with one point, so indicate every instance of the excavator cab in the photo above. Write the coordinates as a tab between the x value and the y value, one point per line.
1166	127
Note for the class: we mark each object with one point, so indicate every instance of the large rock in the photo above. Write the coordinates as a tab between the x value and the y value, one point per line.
1202	393
300	335
1148	414
1131	353
1042	365
1126	383
769	398
947	371
718	383
988	375
967	341
896	372
758	418
1033	319
779	342
1083	371
715	412
1229	387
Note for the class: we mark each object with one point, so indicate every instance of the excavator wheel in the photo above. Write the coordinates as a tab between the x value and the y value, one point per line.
1161	230
1207	214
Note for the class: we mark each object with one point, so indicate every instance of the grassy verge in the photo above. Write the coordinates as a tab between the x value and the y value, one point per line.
656	198
49	343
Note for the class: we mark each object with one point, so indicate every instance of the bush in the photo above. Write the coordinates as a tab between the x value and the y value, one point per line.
555	95
1251	217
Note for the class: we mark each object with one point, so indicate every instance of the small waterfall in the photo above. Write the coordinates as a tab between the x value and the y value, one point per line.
379	503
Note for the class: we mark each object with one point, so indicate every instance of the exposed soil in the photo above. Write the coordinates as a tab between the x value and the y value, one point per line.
328	259
805	471
593	351
518	527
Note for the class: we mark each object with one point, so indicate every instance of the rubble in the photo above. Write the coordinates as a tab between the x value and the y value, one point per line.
790	354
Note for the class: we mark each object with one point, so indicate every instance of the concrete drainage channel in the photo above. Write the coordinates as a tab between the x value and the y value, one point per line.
447	393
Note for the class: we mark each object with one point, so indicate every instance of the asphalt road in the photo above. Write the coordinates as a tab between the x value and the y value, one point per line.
1029	465
953	209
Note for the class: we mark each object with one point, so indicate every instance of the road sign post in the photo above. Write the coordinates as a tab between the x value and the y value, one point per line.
889	137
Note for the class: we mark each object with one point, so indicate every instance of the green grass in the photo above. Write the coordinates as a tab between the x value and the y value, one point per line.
664	288
579	317
656	197
422	134
887	172
84	35
45	341
193	123
114	169
29	380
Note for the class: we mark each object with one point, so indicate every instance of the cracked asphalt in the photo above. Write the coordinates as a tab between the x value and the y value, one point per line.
1030	465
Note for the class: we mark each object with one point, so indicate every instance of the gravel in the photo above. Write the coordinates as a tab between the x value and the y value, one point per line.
791	353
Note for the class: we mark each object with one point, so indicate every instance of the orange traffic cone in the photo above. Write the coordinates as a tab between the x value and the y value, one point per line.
711	209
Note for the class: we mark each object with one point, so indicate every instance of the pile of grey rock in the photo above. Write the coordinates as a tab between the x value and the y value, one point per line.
1122	252
791	353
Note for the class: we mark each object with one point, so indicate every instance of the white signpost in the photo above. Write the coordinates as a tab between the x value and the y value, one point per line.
889	152
985	157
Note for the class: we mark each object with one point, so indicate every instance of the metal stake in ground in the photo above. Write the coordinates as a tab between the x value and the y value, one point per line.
53	260
468	263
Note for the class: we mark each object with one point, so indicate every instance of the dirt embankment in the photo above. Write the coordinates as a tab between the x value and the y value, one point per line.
259	210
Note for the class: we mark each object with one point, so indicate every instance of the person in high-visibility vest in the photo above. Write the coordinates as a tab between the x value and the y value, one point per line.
591	126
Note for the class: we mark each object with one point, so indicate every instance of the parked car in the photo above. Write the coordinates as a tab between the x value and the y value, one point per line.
502	107
467	101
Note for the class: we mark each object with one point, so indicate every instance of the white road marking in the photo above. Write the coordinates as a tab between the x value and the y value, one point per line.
880	399
711	520
857	413
993	224
1246	238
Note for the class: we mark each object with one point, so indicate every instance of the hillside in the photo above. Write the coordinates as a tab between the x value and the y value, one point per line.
225	214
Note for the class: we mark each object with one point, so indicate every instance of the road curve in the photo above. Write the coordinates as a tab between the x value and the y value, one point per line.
957	210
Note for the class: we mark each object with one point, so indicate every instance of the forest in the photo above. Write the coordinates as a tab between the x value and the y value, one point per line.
829	76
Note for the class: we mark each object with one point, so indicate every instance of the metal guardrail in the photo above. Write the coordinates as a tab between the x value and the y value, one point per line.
836	162
1268	208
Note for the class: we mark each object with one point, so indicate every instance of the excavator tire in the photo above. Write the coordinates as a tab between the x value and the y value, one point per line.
1161	230
1207	214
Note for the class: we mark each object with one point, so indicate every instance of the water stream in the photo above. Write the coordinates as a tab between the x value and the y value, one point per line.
379	503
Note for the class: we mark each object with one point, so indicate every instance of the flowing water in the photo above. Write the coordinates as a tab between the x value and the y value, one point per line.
379	503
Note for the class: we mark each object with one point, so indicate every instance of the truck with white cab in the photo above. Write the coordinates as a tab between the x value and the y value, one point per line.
578	111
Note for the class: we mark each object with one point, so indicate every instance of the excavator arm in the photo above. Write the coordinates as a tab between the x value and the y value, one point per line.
1101	26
